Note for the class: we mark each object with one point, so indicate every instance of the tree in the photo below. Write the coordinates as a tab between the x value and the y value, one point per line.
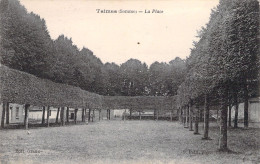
113	84
176	75
134	78
25	40
158	73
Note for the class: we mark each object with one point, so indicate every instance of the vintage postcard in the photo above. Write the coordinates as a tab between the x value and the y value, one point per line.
129	81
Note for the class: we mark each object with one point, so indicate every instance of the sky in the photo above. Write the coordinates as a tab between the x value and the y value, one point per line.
117	37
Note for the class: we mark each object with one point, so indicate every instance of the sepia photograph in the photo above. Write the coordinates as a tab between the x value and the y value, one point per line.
129	82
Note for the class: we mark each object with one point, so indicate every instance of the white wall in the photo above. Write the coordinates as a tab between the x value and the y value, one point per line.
253	111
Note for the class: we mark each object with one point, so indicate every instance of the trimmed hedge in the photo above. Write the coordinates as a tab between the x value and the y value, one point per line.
140	102
23	88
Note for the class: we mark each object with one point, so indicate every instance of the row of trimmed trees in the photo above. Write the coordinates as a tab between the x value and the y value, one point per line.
25	45
62	115
223	67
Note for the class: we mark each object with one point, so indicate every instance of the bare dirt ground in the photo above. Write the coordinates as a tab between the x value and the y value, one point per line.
126	142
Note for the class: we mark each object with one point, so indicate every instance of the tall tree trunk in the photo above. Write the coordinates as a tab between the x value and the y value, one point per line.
48	116
201	119
99	114
62	116
140	117
109	113
186	125
183	115
57	116
236	110
93	113
191	117
154	114
206	118
229	114
245	105
26	116
223	119
7	113
217	115
3	115
43	115
157	115
180	115
181	120
67	114
196	121
171	115
124	114
75	117
83	115
130	114
89	113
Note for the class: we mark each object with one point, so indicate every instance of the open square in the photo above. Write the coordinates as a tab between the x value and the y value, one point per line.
127	142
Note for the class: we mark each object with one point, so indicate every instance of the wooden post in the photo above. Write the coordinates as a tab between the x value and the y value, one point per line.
75	115
62	116
26	116
191	117
48	116
206	118
7	113
67	114
3	116
57	116
43	115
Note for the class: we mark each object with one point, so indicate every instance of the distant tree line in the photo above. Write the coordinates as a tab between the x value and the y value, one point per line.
26	45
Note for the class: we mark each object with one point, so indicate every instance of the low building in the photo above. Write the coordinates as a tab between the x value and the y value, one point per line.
17	113
253	111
